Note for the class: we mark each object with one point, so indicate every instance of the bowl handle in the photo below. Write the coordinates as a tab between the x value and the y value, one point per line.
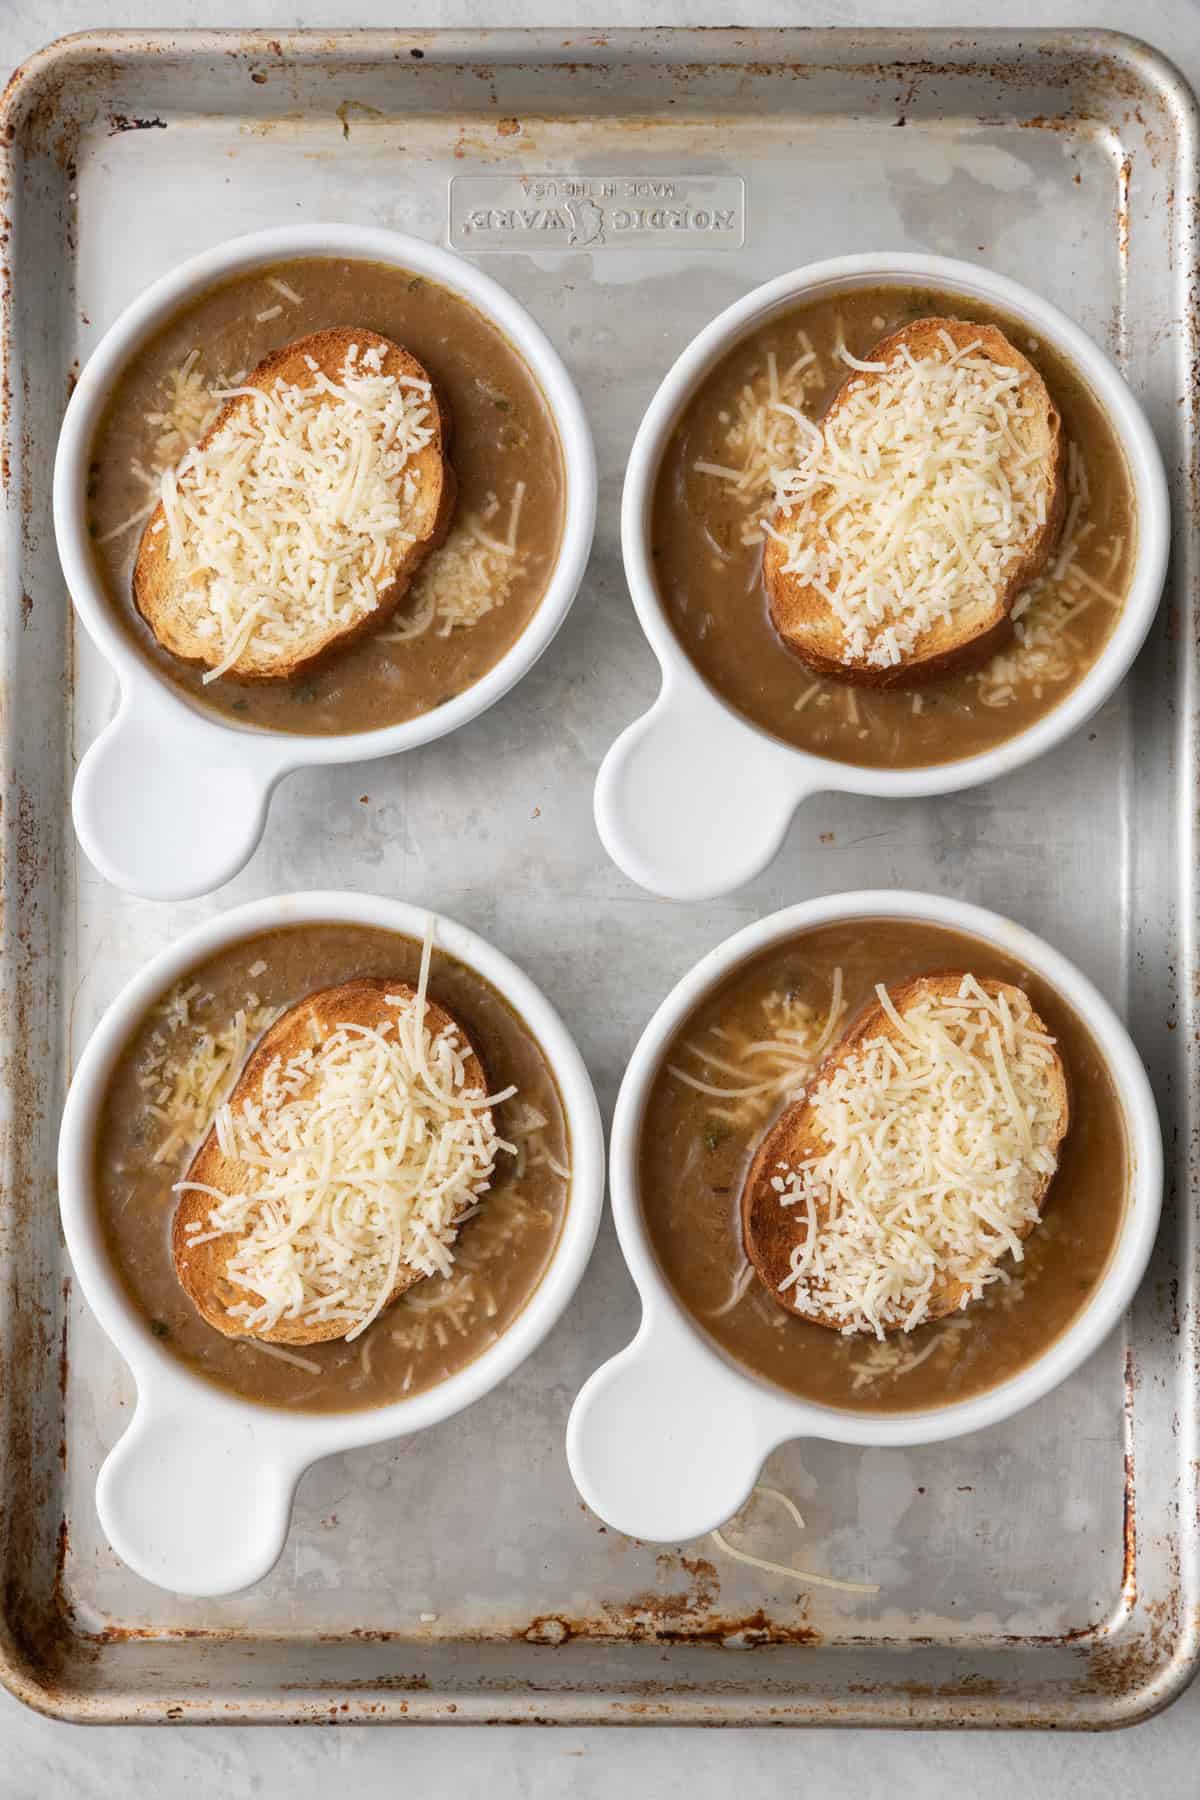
664	1443
690	801
197	1499
167	806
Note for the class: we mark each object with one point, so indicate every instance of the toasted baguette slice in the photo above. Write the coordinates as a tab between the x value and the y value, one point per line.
173	604
201	1267
803	617
770	1231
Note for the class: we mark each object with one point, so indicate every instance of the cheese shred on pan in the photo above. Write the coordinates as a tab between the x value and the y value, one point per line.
292	515
939	1143
363	1153
803	1578
916	498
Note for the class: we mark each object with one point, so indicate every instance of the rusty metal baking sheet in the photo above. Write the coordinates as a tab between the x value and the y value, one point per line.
625	188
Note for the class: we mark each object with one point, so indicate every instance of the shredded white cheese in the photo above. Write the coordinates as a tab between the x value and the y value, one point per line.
184	1088
938	1141
737	1293
359	1157
279	1354
281	287
479	1282
750	1075
1047	649
185	414
916	497
804	1577
890	1360
291	519
465	578
769	431
187	411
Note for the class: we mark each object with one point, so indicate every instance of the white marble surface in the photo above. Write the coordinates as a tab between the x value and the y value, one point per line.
40	1760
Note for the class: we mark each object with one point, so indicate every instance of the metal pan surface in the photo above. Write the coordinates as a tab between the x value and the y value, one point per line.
625	188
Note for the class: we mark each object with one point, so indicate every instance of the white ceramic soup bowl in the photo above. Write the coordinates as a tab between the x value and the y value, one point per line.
170	800
196	1495
666	1440
693	800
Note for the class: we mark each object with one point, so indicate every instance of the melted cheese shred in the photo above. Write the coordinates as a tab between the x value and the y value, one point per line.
917	497
938	1144
359	1157
292	518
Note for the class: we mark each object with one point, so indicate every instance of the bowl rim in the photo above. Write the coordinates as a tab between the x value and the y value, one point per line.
155	1370
1131	1252
317	242
1100	374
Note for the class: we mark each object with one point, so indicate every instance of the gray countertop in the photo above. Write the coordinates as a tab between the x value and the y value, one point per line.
42	1758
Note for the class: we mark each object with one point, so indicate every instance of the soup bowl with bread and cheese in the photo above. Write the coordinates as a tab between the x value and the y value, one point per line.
893	525
885	1169
330	1168
322	494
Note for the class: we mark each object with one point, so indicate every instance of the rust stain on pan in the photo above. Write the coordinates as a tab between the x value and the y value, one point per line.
42	103
1116	1668
121	122
1129	1518
1057	121
6	323
641	1620
355	108
667	1616
964	1687
392	1684
1124	184
1130	1659
64	1366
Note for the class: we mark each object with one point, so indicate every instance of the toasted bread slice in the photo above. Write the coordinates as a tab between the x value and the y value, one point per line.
201	1267
771	1231
951	645
171	594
